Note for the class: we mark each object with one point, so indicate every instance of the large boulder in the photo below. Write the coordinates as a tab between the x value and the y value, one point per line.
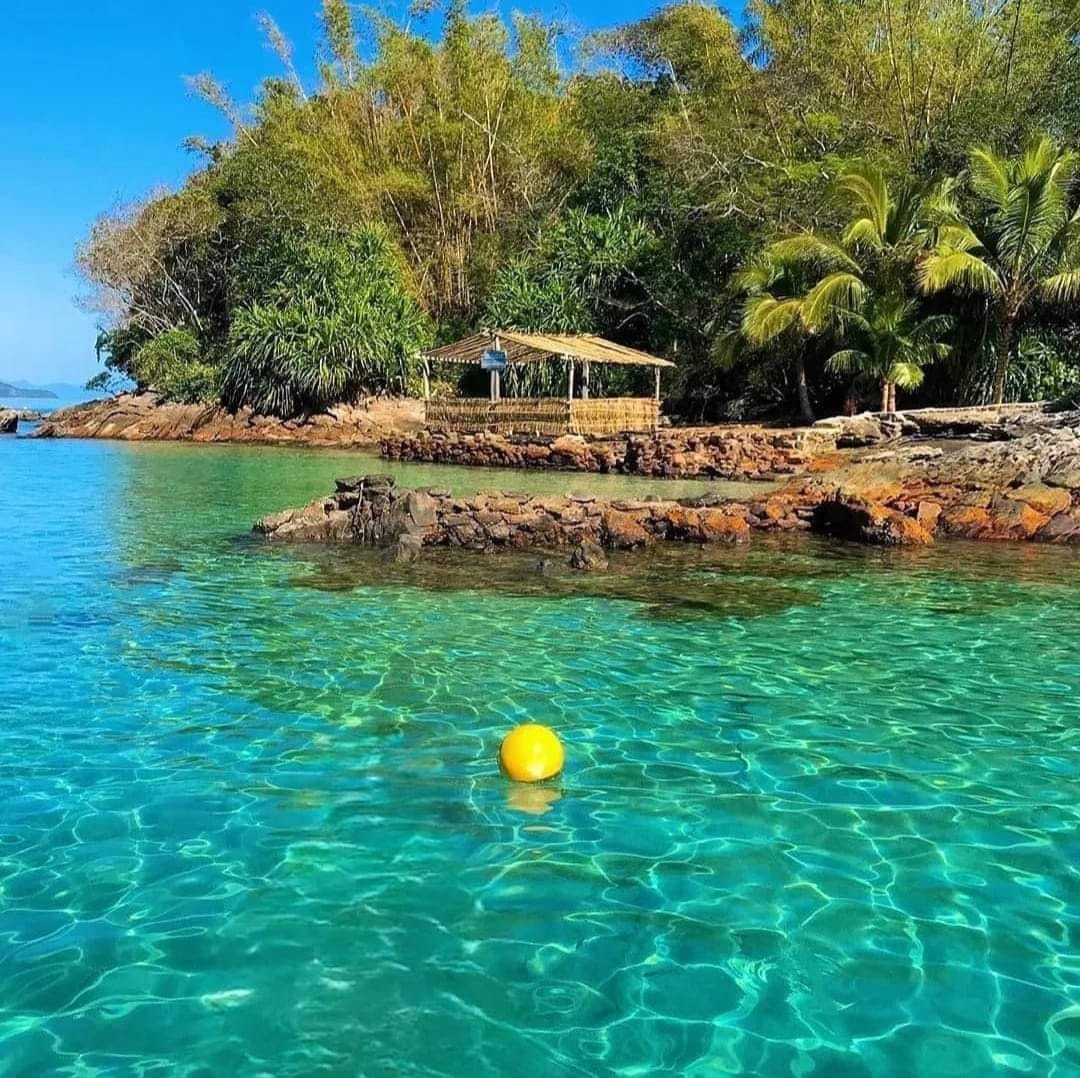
846	517
703	525
370	484
865	429
588	557
1064	528
413	514
320	521
406	550
9	421
621	531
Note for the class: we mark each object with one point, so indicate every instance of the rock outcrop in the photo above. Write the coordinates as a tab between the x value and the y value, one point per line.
1022	487
143	417
373	511
9	421
845	516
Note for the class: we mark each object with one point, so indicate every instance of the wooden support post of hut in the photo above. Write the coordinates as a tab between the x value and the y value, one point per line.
582	414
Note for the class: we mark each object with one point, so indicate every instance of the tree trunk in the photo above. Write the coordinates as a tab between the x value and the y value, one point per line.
884	395
806	409
892	398
1001	364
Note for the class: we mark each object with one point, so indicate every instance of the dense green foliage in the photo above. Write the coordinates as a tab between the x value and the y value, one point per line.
641	184
337	321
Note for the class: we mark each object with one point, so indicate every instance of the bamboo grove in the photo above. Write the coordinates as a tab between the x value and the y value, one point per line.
821	202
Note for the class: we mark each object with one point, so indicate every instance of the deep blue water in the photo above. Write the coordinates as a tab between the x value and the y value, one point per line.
819	815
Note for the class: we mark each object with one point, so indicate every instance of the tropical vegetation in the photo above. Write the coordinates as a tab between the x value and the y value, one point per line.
820	204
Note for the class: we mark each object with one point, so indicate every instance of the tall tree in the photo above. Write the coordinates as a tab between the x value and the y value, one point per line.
1024	251
852	288
888	340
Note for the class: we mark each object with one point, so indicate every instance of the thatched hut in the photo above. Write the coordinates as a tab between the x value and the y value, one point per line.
575	413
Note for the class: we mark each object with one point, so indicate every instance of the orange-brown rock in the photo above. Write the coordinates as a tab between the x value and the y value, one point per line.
622	532
965	521
927	514
847	517
1011	519
143	417
720	527
1043	499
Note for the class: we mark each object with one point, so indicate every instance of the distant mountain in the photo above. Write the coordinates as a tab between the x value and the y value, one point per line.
27	391
61	389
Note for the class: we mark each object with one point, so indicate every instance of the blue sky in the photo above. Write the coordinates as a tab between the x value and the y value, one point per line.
95	110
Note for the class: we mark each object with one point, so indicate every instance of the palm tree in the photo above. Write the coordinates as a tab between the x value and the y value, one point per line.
1025	253
890	341
810	284
775	313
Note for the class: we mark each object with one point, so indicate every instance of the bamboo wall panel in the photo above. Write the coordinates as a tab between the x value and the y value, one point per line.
544	415
613	415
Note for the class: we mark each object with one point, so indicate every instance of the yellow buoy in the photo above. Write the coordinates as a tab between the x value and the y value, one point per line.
531	753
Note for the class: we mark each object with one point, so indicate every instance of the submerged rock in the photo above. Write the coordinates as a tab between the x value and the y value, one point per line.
588	557
407	549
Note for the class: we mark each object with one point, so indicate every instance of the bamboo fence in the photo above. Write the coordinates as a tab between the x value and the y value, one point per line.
544	415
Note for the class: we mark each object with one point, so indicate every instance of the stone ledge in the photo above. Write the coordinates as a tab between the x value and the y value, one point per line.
742	452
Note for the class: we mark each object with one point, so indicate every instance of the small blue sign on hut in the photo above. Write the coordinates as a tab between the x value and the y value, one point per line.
493	361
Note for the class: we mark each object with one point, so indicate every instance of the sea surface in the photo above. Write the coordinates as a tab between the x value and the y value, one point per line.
819	814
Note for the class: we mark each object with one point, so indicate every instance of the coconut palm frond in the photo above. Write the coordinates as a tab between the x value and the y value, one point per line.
989	175
832	298
940	205
862	232
1039	156
932	327
905	374
867	188
959	237
850	361
729	348
766	317
755	276
1032	216
1061	287
806	247
966	272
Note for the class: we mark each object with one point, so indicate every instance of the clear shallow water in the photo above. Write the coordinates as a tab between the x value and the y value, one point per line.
822	820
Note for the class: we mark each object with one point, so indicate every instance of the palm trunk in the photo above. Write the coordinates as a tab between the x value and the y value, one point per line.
884	395
1001	364
892	398
806	409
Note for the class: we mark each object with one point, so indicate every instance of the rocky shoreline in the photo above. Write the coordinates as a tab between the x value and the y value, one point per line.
1025	486
143	417
731	452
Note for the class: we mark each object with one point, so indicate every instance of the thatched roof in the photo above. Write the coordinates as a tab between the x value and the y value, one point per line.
536	347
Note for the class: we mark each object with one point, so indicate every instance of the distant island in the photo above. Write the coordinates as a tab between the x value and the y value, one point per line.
7	390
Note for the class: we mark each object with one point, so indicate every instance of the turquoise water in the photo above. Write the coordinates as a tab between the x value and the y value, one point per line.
819	815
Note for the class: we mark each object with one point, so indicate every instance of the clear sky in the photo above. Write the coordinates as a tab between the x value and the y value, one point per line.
95	109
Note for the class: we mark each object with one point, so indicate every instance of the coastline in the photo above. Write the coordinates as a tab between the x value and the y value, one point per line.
979	473
1024	484
139	417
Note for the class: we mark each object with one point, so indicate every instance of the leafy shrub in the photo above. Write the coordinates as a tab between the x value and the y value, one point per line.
522	299
341	321
172	364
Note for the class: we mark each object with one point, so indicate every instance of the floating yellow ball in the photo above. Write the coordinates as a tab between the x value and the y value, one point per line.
531	753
